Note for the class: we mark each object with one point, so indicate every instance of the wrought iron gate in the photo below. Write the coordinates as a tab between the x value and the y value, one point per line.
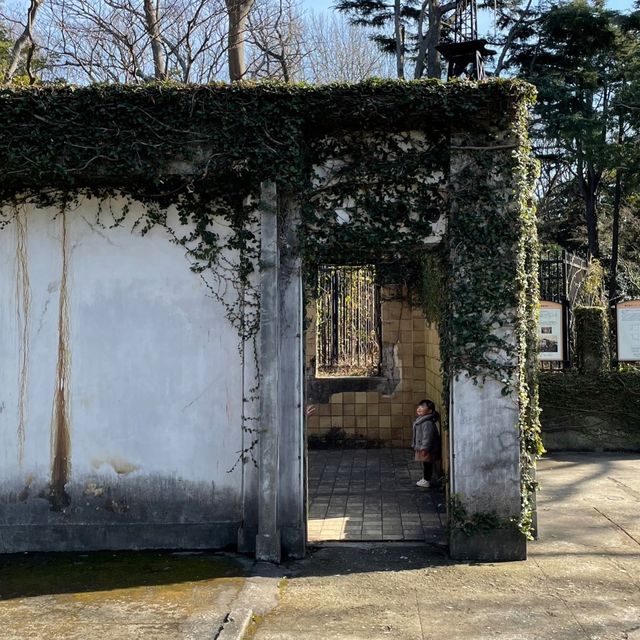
348	321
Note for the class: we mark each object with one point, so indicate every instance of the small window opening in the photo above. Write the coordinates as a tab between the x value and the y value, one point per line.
348	322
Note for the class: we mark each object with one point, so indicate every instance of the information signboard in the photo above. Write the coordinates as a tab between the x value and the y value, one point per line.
551	331
628	320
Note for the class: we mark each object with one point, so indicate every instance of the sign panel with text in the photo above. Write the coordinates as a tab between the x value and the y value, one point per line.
628	319
551	331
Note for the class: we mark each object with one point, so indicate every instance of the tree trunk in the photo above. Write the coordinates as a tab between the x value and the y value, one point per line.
433	39
238	11
399	35
591	218
24	42
509	39
615	240
422	43
153	28
589	181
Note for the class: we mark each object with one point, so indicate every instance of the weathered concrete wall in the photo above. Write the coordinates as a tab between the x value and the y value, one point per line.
484	447
485	468
121	388
484	434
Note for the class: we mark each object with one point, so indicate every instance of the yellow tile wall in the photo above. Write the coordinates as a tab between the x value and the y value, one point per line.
373	414
432	365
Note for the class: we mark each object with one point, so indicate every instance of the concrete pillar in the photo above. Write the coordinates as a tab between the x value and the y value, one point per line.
485	468
483	422
291	496
268	545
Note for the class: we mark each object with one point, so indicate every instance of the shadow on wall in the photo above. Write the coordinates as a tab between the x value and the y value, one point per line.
590	412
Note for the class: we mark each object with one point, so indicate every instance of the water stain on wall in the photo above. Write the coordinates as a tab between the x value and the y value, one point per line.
23	496
60	424
121	466
23	311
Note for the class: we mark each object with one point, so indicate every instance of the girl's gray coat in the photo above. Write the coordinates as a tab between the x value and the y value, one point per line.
426	436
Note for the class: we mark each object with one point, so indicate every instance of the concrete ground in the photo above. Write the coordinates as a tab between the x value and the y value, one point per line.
582	581
117	596
582	578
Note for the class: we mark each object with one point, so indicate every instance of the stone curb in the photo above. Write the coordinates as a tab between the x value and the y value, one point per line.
235	625
258	596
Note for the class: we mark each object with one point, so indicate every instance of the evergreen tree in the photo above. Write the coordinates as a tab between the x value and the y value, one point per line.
573	62
583	60
409	30
585	63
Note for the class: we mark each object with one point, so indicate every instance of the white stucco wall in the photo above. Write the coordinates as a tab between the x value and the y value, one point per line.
155	380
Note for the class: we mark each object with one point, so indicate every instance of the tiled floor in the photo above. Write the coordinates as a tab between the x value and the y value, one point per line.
370	494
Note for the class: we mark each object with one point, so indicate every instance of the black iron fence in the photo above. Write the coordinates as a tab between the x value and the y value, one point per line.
561	275
348	321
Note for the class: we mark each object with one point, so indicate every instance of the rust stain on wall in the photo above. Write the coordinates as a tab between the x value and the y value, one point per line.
60	424
23	310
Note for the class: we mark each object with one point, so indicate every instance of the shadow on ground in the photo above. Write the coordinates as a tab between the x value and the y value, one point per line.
344	559
37	574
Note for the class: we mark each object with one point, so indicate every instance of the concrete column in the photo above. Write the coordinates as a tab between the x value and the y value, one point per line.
483	422
268	545
291	497
485	468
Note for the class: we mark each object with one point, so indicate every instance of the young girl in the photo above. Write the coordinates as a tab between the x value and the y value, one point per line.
426	439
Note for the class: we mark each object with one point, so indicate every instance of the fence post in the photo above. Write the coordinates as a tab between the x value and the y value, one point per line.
592	339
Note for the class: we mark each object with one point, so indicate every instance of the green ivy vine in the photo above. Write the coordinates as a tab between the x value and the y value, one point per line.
371	165
472	523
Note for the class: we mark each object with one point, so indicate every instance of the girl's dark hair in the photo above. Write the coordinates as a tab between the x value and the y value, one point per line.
429	404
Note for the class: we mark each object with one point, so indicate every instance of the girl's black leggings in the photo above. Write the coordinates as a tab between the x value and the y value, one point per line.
427	470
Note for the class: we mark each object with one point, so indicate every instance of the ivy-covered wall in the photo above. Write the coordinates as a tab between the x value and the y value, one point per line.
375	169
595	412
490	336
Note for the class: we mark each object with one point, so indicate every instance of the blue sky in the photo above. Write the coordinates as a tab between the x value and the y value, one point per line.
318	5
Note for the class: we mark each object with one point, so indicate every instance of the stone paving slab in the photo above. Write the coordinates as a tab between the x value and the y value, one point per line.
369	495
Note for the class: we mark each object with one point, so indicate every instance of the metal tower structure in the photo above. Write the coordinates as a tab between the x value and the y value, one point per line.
464	52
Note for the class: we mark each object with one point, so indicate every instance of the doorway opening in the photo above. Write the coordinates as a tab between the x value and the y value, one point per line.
370	358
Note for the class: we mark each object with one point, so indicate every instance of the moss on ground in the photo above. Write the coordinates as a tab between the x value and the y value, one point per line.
27	575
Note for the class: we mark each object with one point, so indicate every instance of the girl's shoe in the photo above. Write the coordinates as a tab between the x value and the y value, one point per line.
423	483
